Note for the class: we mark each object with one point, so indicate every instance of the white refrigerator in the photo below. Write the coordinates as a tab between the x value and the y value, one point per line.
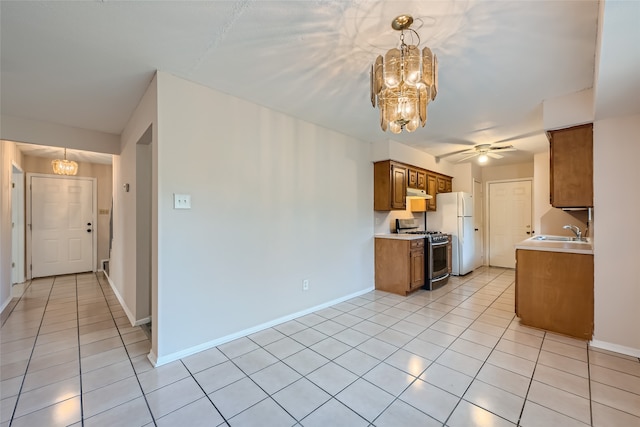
454	215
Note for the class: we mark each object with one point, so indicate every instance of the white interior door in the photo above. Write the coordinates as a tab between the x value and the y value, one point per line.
62	225
509	220
478	228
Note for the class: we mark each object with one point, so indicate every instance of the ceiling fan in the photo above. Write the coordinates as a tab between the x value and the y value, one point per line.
484	151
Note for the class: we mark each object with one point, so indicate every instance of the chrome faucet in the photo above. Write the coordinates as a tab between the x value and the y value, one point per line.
575	229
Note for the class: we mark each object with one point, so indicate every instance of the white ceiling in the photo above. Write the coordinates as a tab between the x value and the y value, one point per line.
87	63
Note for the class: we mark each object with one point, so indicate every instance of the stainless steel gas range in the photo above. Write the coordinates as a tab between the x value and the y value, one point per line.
436	255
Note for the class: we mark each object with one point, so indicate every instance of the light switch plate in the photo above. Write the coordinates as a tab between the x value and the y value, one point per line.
182	201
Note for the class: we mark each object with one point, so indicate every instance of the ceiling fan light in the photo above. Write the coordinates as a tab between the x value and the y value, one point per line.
482	158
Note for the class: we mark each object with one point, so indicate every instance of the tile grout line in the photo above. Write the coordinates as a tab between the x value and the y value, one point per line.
203	390
79	352
26	369
144	396
526	395
589	382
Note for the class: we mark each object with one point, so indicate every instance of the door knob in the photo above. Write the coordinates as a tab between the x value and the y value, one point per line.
88	224
88	230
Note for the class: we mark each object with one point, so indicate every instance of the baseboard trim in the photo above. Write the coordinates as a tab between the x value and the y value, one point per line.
130	315
159	361
629	351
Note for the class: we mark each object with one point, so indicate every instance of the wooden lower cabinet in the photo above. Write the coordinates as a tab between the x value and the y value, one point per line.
554	291
399	265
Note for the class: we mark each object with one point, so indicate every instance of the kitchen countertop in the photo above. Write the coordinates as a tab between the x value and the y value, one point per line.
555	246
399	236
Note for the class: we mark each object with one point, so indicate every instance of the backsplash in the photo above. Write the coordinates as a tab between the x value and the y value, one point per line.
385	222
553	220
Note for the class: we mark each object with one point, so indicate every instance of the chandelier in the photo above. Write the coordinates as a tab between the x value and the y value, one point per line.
64	167
403	83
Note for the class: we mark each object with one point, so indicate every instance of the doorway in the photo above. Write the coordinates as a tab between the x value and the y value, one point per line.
509	219
144	191
17	225
62	217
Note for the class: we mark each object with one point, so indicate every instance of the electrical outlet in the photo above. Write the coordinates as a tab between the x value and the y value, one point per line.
305	285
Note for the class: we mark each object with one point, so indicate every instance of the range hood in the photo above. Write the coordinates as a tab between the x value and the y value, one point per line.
414	193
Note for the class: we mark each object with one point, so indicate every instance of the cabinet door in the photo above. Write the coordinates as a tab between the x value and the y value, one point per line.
398	187
554	291
571	170
417	269
412	178
441	184
432	190
449	185
422	180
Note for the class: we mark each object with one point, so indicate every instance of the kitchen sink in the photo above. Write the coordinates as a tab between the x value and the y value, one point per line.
549	238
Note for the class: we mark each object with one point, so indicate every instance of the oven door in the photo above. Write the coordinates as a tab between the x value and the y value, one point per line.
438	265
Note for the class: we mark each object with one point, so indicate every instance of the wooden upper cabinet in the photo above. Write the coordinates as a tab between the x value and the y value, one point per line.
571	171
391	180
389	186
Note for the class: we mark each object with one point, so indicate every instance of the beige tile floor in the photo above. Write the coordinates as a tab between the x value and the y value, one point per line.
456	357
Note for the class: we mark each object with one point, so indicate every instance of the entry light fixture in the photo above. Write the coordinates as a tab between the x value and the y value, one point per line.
404	81
64	167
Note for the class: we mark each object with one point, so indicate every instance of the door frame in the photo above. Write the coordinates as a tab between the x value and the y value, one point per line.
487	209
480	197
94	215
17	229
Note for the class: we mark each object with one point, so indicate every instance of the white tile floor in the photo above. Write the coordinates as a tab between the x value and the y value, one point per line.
456	357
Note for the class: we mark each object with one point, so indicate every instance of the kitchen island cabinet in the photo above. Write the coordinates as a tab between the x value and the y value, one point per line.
399	263
554	291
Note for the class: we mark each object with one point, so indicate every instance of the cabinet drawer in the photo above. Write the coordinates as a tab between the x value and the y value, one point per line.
417	244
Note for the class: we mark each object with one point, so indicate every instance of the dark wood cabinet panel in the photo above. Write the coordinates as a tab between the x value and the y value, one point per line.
432	189
398	187
571	170
441	184
554	291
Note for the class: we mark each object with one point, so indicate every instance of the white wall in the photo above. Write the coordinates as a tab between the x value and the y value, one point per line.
617	252
55	135
274	201
123	267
